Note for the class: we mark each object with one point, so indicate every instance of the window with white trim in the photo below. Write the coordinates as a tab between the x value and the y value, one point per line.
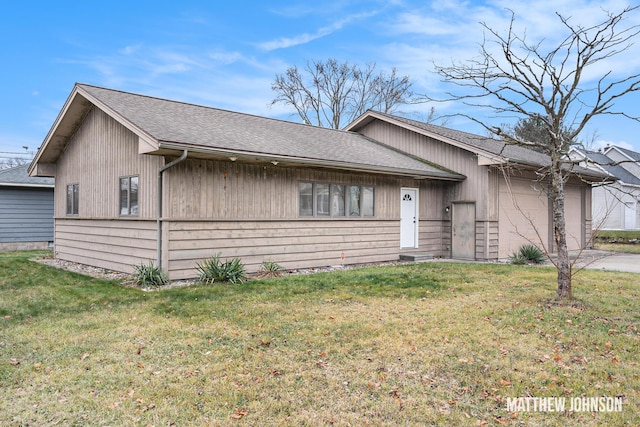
319	199
129	195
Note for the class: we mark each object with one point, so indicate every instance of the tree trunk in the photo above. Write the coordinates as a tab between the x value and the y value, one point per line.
560	234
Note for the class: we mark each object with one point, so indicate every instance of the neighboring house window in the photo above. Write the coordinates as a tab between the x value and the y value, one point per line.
336	200
129	195
72	199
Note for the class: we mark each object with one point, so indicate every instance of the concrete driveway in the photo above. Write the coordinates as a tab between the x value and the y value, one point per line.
611	261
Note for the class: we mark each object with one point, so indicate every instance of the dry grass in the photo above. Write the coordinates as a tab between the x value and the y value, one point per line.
426	344
618	247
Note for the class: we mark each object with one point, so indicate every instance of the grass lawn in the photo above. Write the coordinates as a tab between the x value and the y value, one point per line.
423	344
618	247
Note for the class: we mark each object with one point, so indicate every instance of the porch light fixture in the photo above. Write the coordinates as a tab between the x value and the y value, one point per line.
446	209
274	162
233	159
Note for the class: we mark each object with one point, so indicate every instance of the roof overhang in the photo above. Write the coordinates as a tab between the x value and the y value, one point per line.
73	112
173	148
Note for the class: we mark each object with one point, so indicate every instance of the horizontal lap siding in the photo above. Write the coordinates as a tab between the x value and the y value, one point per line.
487	239
26	215
292	244
111	244
431	238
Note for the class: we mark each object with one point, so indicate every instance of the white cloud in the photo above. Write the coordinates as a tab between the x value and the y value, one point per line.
286	42
601	144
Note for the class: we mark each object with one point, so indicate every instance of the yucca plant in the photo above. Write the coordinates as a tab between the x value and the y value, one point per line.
214	270
270	269
149	275
527	254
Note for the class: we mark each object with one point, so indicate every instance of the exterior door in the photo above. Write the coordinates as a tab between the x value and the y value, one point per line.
463	229
409	218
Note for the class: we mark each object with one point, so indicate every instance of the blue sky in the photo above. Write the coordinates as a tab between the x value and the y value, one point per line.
226	54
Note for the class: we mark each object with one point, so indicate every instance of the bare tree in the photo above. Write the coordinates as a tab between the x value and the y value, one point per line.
11	162
524	80
329	93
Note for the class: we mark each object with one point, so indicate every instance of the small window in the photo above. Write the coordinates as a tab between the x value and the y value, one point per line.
322	199
337	200
354	200
72	199
129	195
367	201
305	190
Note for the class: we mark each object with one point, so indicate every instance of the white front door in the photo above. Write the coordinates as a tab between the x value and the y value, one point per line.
408	218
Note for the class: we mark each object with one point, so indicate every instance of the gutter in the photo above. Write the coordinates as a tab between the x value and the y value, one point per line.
161	171
418	174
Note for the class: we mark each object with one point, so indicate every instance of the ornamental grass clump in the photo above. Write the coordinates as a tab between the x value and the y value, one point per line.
270	269
214	270
149	275
527	254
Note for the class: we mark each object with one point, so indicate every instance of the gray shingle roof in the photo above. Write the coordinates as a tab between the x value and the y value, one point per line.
489	146
172	122
609	165
19	177
632	154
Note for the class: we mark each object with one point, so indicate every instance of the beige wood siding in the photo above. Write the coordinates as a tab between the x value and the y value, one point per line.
96	157
487	239
207	189
456	159
292	244
112	244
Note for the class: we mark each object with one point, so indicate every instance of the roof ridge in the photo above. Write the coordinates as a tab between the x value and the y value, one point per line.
192	104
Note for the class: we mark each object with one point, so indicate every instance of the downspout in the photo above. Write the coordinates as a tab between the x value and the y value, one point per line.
160	172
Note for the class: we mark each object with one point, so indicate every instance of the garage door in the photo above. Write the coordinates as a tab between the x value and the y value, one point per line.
523	216
574	216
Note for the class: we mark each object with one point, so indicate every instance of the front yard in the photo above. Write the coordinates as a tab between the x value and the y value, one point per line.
423	344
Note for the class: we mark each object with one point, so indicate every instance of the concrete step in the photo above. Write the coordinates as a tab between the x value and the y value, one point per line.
416	256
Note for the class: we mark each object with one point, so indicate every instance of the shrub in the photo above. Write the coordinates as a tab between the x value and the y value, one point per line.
149	275
213	269
270	269
527	254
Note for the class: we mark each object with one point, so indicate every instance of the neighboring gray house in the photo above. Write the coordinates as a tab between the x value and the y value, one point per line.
616	206
26	210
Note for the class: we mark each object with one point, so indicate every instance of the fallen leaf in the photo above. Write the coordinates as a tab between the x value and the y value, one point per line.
14	362
239	414
84	356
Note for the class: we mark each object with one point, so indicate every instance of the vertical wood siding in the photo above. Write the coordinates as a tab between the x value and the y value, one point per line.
456	159
26	214
96	157
199	189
